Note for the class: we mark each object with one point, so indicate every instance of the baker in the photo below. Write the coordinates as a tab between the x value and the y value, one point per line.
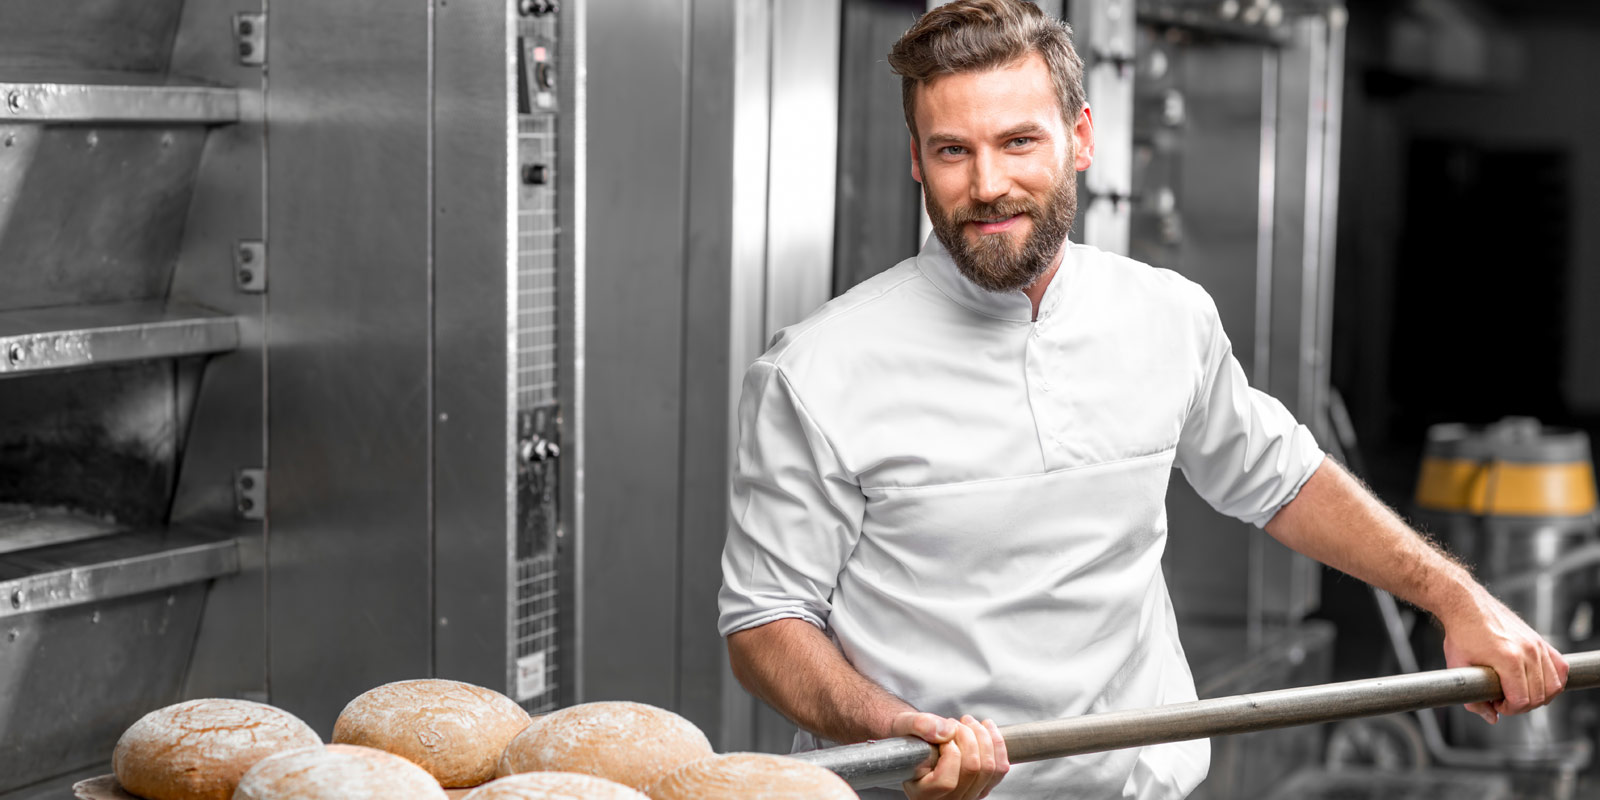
948	501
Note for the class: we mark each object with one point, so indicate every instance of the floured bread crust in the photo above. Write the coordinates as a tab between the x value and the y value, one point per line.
554	786
630	743
455	731
337	772
197	750
751	776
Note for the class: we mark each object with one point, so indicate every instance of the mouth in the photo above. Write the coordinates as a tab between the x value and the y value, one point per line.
989	225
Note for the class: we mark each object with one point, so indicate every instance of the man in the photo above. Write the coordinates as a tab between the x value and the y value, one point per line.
948	504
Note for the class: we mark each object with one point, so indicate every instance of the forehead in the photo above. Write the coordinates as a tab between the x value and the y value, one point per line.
971	104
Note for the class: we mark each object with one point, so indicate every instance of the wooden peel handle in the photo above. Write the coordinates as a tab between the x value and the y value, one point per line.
890	761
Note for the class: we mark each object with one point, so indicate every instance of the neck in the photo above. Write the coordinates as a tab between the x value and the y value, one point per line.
1035	290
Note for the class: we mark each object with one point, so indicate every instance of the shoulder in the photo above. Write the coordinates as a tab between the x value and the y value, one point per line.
1135	288
869	312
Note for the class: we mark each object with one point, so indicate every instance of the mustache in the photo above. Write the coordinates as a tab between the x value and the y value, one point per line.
1003	208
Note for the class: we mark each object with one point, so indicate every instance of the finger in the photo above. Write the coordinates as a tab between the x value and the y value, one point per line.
943	778
1533	672
985	749
1513	687
1559	663
946	777
1002	760
971	761
1485	710
928	727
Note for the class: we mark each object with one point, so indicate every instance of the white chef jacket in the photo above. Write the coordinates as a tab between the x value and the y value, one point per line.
971	503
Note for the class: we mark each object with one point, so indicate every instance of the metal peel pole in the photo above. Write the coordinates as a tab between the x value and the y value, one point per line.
890	761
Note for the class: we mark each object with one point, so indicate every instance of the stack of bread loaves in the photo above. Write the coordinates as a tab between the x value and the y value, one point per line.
415	739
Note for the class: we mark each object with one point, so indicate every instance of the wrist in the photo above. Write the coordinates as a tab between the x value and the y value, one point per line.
1456	601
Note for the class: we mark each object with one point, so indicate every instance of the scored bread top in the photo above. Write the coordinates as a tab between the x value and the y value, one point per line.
456	731
197	750
630	743
553	786
337	772
751	776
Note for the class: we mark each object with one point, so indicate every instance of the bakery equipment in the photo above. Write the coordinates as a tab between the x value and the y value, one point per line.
890	761
281	415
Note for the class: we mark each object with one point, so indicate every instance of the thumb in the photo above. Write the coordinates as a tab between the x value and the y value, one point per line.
928	727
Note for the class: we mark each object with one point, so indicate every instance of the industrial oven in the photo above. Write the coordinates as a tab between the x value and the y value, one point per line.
286	360
352	341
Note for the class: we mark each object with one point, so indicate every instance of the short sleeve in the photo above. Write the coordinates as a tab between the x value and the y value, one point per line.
795	513
1240	448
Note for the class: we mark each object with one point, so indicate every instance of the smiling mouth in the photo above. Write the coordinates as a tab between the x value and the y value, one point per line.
992	225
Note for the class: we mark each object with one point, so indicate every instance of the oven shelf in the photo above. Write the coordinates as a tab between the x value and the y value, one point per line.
81	102
69	337
119	565
25	527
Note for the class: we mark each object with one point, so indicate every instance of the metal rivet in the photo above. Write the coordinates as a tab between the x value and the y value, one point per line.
246	49
16	599
94	619
11	635
16	354
14	102
93	138
11	139
246	482
246	27
246	504
246	277
246	255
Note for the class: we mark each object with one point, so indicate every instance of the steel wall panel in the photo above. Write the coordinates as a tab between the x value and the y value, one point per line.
88	34
702	658
472	419
635	289
803	165
348	539
228	429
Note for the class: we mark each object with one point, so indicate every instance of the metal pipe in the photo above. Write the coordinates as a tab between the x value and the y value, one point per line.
890	761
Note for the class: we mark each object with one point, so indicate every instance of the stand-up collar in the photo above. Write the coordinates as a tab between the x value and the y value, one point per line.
936	263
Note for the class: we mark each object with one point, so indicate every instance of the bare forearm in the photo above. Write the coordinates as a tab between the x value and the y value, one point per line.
797	670
1335	520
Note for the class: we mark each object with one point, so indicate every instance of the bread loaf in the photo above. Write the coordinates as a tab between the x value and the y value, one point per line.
455	731
337	772
751	776
630	743
197	750
553	786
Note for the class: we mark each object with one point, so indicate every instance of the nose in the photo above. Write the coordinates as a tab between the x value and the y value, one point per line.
989	180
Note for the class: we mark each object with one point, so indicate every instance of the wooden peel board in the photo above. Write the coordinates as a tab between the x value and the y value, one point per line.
106	787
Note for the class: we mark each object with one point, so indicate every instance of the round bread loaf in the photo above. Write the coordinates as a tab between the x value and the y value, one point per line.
751	776
553	786
197	750
503	768
455	731
337	772
630	743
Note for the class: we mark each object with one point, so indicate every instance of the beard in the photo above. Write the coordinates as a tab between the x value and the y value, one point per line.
995	262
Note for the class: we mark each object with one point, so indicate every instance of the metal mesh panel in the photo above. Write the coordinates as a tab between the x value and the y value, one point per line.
535	608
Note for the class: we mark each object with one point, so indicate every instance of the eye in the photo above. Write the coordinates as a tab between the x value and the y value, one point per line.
952	150
1020	141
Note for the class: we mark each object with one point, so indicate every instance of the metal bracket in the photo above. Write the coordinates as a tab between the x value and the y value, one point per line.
250	493
250	38
250	266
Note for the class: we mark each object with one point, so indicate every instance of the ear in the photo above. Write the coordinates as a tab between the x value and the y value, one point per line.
1083	138
916	161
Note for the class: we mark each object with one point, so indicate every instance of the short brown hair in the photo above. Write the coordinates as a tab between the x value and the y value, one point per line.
976	35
